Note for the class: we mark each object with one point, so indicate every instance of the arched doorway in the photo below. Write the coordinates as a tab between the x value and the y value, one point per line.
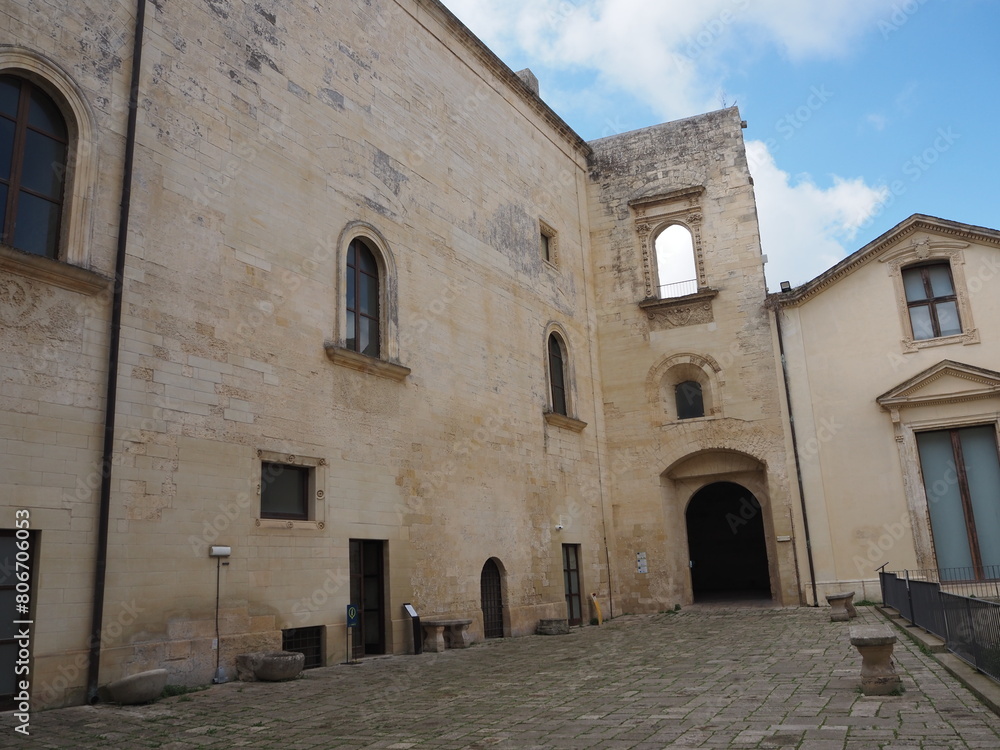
491	588
725	527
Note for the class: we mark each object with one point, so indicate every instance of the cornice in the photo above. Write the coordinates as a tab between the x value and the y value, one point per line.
668	197
495	65
903	395
363	363
51	271
561	420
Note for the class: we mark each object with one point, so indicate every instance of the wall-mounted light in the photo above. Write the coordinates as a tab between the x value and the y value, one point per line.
220	551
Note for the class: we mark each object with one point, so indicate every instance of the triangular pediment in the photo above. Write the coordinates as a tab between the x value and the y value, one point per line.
945	383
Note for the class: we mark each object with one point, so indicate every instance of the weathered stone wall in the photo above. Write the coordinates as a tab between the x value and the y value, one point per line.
54	331
693	171
267	136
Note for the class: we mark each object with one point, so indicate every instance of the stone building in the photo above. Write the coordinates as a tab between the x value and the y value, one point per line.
895	404
388	331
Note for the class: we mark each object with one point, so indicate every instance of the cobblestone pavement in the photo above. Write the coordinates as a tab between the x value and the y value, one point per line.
703	677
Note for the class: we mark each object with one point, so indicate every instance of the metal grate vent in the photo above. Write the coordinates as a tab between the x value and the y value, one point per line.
308	641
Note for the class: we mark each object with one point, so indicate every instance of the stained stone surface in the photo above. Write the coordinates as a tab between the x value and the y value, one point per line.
704	677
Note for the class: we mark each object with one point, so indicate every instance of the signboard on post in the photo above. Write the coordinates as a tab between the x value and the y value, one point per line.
353	618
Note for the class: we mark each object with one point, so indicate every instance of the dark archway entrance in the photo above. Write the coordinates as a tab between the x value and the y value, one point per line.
725	527
491	589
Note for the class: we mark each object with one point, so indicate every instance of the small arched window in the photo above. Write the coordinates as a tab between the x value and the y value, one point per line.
689	400
675	262
362	300
557	375
34	140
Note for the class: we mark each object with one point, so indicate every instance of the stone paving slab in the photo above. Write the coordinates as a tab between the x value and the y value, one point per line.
703	677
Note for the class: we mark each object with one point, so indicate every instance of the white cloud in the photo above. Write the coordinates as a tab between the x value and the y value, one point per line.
804	227
877	121
673	57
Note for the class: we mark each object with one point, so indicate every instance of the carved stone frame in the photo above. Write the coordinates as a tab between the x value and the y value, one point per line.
921	251
903	404
654	214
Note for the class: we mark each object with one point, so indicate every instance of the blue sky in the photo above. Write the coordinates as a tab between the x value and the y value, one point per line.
860	112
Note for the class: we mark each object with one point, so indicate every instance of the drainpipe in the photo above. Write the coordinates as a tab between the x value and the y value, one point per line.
111	397
795	454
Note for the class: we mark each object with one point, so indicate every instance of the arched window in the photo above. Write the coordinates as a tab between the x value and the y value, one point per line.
34	140
675	263
557	375
690	403
362	300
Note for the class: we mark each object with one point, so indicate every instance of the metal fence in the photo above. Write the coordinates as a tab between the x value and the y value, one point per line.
969	626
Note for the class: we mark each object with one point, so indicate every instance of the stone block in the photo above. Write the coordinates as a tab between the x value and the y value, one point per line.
553	627
273	666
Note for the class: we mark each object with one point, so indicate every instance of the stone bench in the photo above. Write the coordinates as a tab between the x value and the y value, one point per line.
842	606
442	634
875	643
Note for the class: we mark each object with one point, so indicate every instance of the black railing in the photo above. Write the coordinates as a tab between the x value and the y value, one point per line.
678	289
969	626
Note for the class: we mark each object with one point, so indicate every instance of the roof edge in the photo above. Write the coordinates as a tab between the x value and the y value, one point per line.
498	67
852	262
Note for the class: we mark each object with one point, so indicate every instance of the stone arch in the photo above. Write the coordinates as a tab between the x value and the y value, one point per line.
675	369
701	468
675	259
388	285
558	330
724	524
494	601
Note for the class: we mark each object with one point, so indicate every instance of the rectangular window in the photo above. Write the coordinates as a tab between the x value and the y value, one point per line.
10	586
931	301
961	473
284	491
547	242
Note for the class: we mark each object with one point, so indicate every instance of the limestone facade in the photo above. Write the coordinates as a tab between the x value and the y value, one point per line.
271	141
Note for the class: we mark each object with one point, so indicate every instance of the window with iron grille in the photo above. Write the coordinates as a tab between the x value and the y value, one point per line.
308	641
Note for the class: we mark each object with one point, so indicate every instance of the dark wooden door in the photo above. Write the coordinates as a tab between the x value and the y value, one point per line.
16	573
368	595
571	577
492	598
